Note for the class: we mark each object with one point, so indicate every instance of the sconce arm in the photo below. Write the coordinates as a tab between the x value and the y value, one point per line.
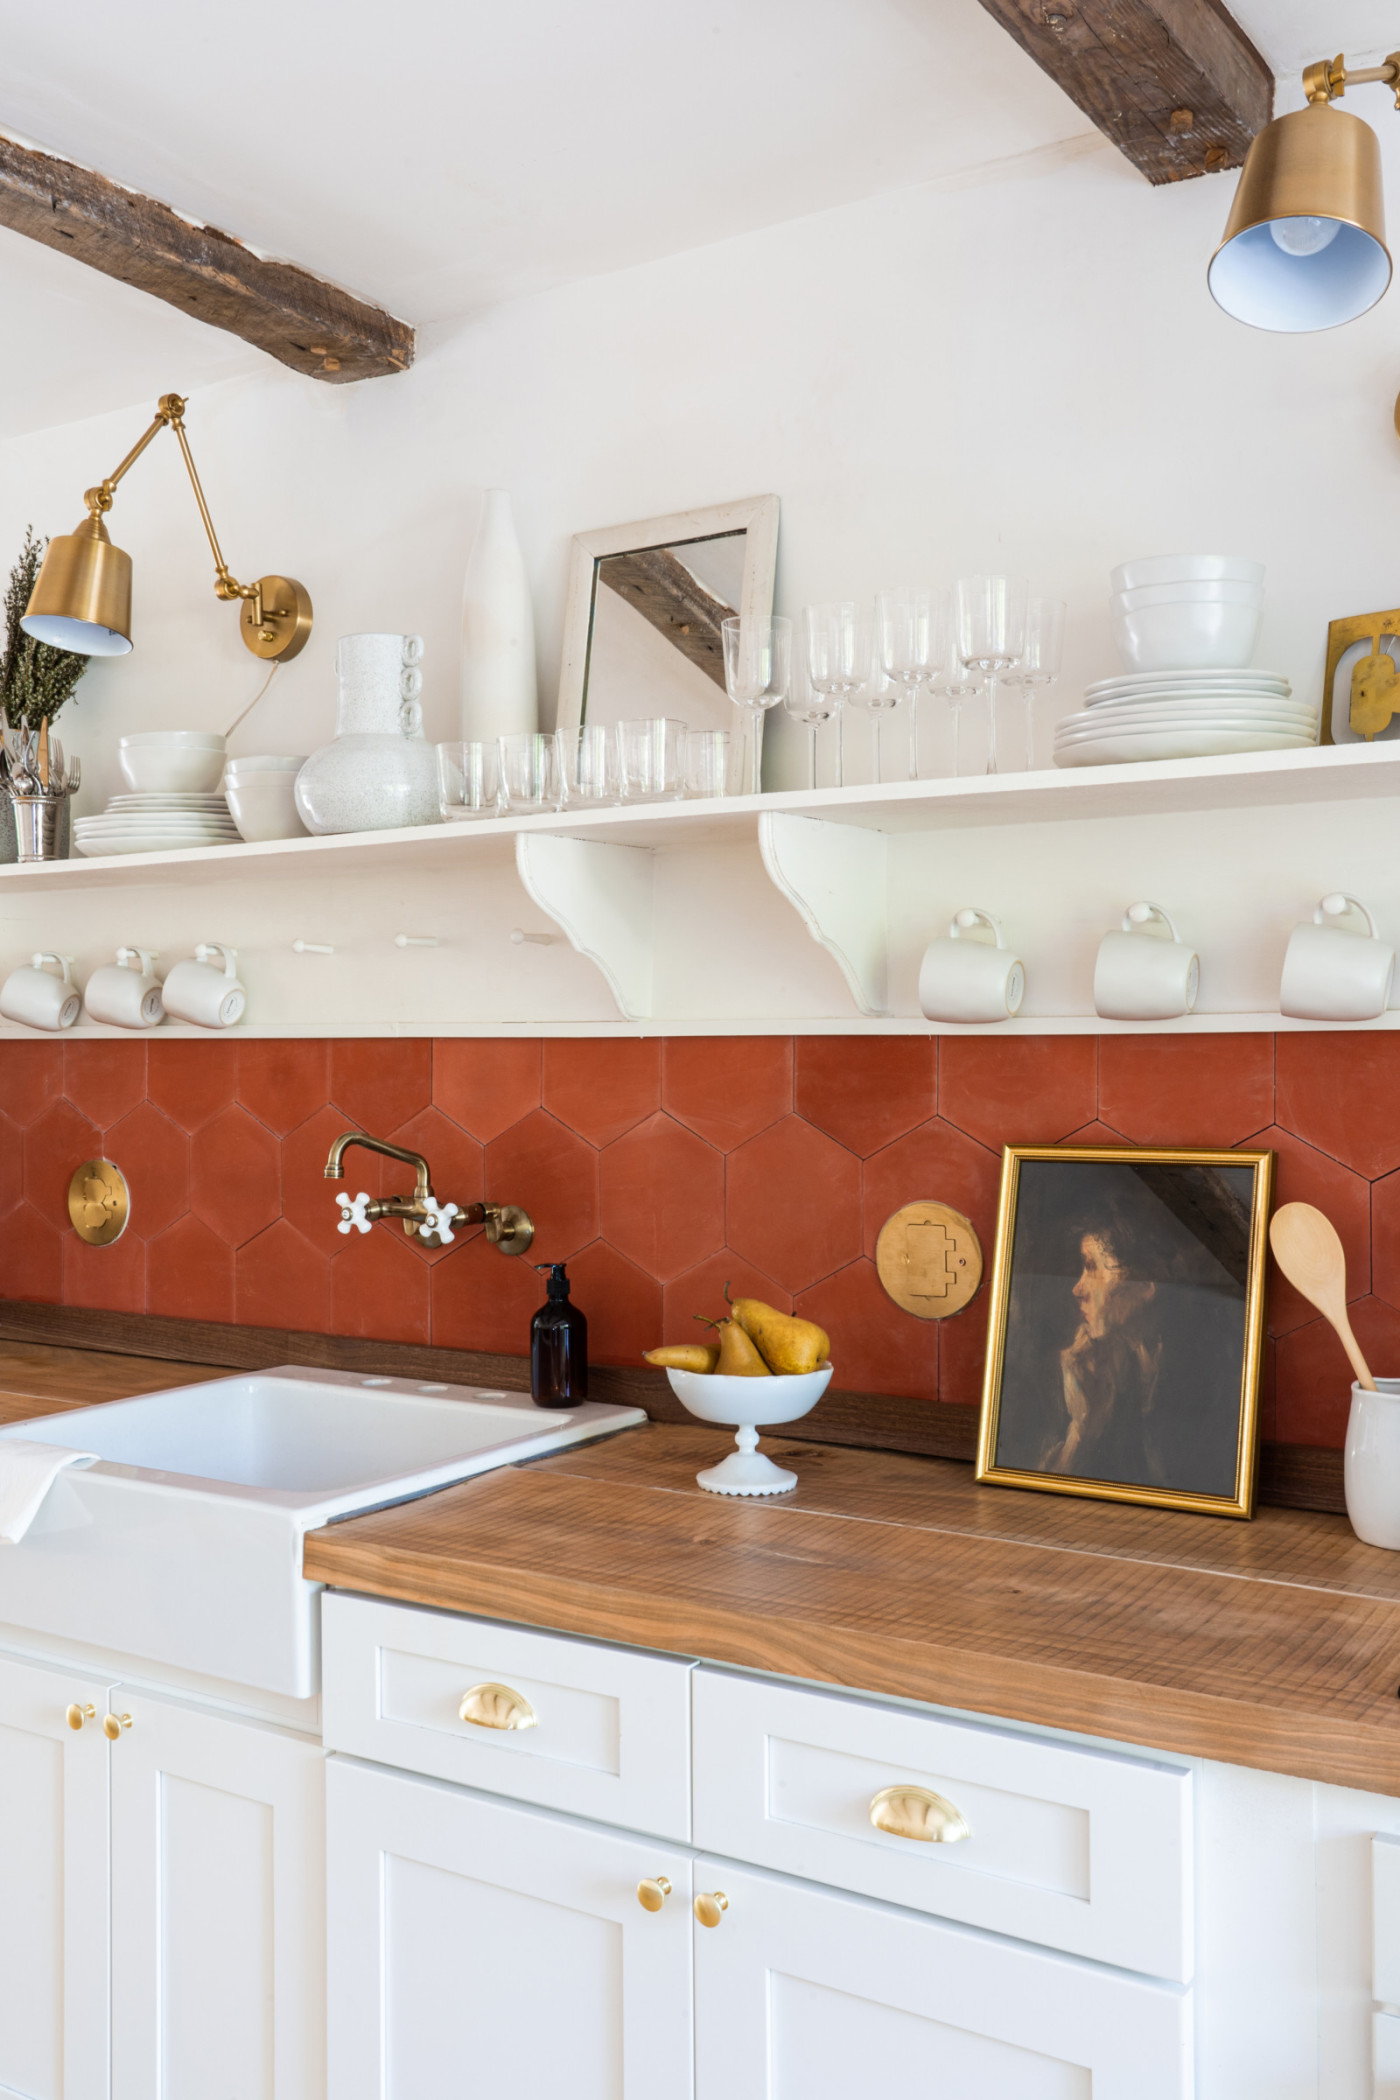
1327	80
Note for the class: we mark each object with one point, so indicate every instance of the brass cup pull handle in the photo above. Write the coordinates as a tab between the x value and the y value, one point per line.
917	1812
653	1893
710	1909
113	1724
496	1706
76	1715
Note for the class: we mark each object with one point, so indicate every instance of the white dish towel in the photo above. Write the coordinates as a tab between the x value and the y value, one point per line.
27	1472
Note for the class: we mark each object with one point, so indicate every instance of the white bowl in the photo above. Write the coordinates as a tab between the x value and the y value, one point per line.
1177	568
749	1402
1187	594
263	806
166	761
237	767
1186	637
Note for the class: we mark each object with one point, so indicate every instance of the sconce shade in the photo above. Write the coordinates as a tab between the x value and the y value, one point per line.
1305	244
82	599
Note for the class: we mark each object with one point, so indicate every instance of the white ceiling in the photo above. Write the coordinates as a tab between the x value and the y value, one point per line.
448	154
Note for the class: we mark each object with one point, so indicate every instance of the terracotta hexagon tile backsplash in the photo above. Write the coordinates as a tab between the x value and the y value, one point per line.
661	1170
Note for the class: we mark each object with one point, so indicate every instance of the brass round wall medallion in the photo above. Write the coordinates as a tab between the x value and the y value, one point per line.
99	1202
929	1259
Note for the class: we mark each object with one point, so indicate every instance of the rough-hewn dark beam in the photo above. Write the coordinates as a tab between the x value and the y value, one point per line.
1176	84
299	319
662	589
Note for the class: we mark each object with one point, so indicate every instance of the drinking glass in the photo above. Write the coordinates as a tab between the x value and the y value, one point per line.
707	762
1040	659
529	772
757	664
904	636
806	705
588	764
838	656
948	675
651	759
877	696
469	780
991	615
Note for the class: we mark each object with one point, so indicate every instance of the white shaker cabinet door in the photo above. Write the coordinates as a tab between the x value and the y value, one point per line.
53	1886
218	1964
478	1947
805	1994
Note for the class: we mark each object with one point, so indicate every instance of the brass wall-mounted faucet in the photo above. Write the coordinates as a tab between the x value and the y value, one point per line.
509	1229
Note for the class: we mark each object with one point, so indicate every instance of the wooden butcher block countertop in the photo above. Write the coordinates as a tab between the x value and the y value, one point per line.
1274	1643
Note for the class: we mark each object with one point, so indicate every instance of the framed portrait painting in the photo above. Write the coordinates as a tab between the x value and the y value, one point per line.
1126	1326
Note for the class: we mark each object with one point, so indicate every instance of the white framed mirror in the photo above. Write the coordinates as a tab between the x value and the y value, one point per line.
645	601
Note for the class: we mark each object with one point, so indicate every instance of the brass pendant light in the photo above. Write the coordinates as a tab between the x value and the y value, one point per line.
82	598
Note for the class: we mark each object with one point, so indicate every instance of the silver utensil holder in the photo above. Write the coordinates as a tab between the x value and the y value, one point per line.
40	827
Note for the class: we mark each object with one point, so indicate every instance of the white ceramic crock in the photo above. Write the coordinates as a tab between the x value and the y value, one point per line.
379	773
1373	1464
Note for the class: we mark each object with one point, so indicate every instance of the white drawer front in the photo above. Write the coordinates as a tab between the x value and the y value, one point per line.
612	1732
1385	2056
1385	1919
1075	1849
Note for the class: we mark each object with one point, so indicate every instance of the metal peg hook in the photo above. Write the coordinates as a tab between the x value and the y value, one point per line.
535	940
312	948
415	940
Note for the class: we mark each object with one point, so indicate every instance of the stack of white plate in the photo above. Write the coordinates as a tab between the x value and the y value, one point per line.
1184	714
156	823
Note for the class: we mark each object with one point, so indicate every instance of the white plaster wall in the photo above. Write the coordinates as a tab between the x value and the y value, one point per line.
1021	370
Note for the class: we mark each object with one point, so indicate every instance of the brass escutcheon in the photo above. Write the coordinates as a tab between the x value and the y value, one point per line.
99	1202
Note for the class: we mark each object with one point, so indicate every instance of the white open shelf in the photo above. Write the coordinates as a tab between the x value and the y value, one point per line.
804	912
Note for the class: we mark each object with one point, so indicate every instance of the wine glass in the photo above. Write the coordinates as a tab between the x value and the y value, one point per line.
757	665
878	696
904	635
1040	659
812	708
947	673
991	615
838	654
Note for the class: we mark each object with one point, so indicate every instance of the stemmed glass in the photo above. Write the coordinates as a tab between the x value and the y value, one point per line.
812	708
904	635
838	653
991	615
878	696
757	664
1040	659
947	674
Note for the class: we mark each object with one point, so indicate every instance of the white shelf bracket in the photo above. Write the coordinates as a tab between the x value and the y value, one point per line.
601	896
834	877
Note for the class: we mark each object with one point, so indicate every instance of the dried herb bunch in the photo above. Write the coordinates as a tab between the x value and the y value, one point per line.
35	678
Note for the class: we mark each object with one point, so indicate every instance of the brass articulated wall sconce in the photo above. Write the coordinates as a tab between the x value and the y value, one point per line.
1304	246
82	599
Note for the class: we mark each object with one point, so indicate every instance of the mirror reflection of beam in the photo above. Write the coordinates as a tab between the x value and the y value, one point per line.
663	590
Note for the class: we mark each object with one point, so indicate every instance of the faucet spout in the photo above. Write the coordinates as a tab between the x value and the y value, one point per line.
335	1165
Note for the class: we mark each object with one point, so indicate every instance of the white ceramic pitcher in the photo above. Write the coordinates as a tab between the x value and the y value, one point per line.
379	774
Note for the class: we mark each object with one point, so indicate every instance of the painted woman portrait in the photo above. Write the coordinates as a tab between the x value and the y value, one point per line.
1124	1359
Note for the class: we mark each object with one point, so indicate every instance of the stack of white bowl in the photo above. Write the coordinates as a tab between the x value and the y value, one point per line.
175	802
1186	626
261	794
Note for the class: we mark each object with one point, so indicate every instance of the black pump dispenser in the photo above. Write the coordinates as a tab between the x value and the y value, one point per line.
558	1345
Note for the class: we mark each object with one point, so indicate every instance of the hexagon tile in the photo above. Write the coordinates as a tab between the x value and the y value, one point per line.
661	1168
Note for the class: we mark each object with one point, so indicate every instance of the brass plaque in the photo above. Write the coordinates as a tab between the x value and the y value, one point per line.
1373	699
929	1259
98	1202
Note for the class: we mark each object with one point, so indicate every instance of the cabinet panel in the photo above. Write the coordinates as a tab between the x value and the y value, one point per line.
804	1994
1385	2044
217	1864
474	1943
611	1738
53	1887
1076	1849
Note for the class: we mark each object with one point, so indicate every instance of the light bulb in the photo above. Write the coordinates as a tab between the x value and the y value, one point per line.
1304	236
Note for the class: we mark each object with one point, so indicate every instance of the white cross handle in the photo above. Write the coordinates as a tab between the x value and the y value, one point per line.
352	1215
439	1217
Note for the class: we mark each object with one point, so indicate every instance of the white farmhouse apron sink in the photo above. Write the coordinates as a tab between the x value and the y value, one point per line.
183	1543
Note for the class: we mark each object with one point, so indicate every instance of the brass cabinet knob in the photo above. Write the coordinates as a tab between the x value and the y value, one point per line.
78	1714
497	1706
113	1724
917	1812
710	1909
652	1894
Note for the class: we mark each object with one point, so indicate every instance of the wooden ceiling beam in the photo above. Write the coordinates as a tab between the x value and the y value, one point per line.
1176	84
298	318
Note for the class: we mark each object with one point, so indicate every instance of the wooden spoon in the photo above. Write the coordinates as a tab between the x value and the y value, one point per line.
1308	1251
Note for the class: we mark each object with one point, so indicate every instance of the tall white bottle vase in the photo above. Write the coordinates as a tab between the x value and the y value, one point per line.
499	692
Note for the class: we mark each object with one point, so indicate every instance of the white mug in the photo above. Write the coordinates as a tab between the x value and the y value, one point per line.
967	977
1332	975
38	998
125	997
194	991
1372	1465
1145	976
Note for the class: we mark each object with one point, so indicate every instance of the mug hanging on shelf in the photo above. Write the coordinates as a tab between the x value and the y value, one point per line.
39	999
123	996
1330	974
196	991
1144	970
970	975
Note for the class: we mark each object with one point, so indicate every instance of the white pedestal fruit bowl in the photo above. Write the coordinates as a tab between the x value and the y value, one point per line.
749	1403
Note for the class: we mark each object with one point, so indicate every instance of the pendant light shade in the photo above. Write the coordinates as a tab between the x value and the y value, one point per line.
1305	244
82	599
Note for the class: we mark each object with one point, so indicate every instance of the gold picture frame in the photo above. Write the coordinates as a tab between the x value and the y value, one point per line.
1139	1381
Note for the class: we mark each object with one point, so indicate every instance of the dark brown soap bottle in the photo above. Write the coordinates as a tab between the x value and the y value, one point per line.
558	1345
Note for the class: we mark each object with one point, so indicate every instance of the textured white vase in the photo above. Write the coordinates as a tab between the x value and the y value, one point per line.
499	693
380	773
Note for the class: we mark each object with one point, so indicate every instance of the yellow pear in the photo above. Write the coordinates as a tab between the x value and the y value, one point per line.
787	1345
738	1358
684	1356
